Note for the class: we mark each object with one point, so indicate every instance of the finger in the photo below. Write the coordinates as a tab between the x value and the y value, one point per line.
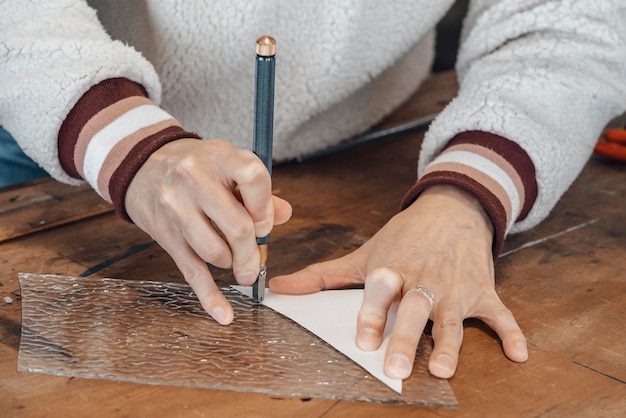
255	188
382	286
411	319
299	283
447	332
205	241
502	321
197	274
282	210
334	274
234	222
237	248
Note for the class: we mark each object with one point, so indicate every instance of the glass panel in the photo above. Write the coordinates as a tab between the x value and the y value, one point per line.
158	333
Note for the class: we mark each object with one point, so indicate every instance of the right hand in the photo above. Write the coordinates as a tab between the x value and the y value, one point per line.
206	202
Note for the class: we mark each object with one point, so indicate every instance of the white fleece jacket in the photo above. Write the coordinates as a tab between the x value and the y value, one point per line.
547	75
539	77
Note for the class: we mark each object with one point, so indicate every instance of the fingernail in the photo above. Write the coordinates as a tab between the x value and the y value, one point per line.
443	366
247	278
219	314
369	339
399	366
522	350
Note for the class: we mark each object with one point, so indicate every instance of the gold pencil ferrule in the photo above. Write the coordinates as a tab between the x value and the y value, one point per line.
266	46
263	249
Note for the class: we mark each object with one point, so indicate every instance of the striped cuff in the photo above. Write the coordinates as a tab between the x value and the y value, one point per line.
496	170
110	133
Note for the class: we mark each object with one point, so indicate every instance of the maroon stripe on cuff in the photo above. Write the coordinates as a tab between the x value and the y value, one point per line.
514	154
93	101
130	165
488	200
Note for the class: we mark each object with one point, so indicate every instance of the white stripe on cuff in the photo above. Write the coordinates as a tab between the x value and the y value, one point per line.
488	168
103	142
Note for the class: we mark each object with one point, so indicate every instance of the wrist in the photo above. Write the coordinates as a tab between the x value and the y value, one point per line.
456	207
461	201
110	133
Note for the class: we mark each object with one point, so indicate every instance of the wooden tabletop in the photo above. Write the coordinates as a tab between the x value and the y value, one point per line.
565	281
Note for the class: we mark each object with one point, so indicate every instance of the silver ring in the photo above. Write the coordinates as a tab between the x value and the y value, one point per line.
425	292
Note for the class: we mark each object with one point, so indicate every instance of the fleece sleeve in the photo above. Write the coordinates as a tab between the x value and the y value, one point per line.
51	54
538	82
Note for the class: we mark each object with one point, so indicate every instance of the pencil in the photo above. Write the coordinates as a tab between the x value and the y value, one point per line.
263	135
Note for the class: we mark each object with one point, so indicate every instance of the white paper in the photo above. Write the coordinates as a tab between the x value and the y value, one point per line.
331	315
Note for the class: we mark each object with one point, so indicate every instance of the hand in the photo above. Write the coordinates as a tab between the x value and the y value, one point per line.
206	202
443	242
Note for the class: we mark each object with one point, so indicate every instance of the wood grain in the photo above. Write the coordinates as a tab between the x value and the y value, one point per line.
564	280
45	204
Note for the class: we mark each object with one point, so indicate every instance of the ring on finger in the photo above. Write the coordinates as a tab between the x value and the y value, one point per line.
424	292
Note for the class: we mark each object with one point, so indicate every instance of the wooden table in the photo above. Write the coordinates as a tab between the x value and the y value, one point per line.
565	281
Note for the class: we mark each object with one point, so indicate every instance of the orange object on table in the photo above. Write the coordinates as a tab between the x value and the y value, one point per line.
612	144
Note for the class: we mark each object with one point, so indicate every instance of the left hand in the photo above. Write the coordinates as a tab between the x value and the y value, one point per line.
443	242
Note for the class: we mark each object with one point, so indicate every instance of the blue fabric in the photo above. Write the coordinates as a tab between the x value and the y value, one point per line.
15	166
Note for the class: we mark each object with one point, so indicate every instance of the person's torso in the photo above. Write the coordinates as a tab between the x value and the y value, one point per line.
327	53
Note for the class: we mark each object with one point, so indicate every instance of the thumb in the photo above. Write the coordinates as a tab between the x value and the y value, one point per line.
334	274
282	210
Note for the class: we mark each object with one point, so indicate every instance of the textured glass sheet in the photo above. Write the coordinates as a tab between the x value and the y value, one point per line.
158	333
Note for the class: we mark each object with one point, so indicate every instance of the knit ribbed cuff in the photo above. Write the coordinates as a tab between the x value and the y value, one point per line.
110	133
494	169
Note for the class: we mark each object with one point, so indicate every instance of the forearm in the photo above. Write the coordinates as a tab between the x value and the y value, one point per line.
547	78
48	64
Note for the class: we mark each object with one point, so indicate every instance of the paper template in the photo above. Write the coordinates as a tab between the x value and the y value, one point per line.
332	315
